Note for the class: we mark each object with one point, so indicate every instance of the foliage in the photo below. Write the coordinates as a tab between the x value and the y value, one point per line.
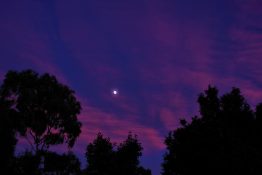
61	164
10	124
45	108
99	156
127	155
105	158
27	164
224	140
46	163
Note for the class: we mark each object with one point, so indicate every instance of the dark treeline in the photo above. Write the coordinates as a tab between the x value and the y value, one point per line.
226	138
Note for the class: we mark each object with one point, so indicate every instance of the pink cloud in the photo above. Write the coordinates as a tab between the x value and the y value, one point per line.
169	119
95	120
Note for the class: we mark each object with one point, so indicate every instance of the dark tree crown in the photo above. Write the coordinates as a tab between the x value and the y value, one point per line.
40	108
225	139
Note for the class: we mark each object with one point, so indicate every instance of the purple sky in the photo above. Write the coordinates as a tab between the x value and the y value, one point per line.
159	54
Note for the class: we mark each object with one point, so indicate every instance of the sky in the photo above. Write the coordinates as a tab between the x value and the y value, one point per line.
158	54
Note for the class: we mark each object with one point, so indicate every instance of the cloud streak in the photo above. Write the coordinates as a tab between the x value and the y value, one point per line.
159	54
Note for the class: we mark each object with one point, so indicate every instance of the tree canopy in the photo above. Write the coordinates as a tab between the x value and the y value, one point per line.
224	139
127	155
106	158
47	163
7	135
62	164
99	155
45	108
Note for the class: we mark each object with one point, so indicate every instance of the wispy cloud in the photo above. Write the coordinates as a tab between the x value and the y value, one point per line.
160	55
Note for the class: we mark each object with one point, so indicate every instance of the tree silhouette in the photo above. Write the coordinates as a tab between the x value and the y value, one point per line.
224	140
61	164
8	140
105	158
27	164
47	109
127	156
10	124
99	155
143	171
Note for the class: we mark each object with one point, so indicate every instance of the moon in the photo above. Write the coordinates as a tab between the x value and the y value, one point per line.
115	92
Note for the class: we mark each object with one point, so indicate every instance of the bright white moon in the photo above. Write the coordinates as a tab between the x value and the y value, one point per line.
115	92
